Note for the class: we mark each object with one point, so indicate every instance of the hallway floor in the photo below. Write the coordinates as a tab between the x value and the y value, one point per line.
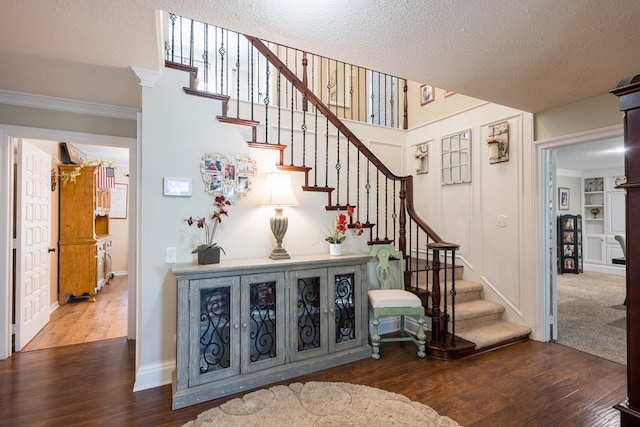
81	321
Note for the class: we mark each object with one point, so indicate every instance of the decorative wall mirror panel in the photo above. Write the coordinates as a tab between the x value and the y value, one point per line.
456	158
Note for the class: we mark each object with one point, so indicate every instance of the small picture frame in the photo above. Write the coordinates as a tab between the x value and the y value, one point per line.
447	93
563	199
426	94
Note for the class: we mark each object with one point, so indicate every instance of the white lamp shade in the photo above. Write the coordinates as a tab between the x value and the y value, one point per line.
278	191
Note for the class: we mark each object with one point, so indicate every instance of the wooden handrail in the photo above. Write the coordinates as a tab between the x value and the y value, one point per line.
309	96
322	108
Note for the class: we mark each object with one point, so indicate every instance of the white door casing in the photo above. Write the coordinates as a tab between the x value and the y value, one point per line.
33	218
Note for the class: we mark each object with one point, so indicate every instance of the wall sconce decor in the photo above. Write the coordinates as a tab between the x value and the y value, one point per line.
231	177
421	158
498	143
279	194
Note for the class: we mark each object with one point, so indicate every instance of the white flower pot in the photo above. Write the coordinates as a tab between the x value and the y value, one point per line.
418	164
494	151
335	249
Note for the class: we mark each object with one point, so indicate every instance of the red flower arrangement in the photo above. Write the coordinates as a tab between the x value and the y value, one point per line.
210	229
338	234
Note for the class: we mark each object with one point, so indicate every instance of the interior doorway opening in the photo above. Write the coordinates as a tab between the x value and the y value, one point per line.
577	314
11	135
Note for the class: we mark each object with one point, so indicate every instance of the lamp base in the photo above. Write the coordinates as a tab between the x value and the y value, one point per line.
279	253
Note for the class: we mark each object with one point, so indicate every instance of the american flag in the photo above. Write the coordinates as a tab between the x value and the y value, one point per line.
106	177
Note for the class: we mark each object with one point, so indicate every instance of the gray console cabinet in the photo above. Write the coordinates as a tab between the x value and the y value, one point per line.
243	324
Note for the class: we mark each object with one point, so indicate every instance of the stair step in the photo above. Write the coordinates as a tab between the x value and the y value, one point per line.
202	93
466	290
478	312
237	121
494	333
266	146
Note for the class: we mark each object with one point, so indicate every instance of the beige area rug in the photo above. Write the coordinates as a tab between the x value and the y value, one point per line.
321	404
591	314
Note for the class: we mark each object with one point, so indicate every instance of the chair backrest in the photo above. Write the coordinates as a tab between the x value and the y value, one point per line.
623	245
383	269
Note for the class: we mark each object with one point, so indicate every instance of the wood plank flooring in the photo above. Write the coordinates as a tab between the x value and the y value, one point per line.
527	384
81	321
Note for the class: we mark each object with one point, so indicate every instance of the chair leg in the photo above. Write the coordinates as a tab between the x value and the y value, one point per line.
375	338
421	337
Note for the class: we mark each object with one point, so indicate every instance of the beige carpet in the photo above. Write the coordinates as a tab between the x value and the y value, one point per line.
591	314
321	404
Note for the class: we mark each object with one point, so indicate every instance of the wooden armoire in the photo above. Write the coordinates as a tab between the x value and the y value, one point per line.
628	91
85	243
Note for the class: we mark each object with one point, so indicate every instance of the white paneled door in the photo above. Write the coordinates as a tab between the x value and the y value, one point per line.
32	245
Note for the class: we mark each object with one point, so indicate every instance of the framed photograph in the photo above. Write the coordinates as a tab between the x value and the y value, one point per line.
563	199
339	84
448	93
426	94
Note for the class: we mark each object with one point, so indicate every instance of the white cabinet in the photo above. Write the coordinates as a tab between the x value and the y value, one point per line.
604	217
246	323
594	249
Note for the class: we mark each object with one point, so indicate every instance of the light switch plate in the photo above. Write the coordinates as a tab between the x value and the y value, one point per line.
170	256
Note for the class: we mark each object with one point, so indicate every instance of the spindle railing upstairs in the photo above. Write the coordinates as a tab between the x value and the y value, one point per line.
314	138
227	66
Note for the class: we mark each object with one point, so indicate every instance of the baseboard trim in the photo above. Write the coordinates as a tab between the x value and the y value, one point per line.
154	375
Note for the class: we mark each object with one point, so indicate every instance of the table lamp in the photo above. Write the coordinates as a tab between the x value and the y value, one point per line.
278	194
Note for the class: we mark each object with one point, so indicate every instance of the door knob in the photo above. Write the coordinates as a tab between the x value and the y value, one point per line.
51	250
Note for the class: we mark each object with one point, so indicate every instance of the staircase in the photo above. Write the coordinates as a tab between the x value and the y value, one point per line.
478	323
462	323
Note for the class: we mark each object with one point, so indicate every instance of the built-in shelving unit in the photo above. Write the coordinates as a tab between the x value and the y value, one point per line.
603	217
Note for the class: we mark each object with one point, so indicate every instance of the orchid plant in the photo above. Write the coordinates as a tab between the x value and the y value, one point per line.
220	204
339	232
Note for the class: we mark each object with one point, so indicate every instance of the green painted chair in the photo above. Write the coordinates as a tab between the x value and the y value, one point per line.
388	301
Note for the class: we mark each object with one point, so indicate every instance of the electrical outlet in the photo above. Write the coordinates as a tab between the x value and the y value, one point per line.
170	255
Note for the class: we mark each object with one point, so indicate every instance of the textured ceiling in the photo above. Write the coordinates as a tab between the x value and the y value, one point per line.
528	54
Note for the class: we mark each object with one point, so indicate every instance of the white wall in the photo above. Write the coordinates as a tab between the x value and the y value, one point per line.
467	214
573	181
177	129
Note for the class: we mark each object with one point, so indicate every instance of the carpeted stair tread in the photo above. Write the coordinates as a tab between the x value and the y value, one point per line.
477	308
462	286
494	333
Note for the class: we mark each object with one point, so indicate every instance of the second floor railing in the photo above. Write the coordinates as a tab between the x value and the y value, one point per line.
228	65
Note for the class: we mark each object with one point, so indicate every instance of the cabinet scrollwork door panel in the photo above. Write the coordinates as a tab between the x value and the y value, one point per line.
215	340
263	320
309	336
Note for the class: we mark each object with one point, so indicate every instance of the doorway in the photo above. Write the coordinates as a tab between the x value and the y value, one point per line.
8	134
572	311
80	320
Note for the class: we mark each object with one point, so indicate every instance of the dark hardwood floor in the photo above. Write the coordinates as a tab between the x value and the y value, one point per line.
527	384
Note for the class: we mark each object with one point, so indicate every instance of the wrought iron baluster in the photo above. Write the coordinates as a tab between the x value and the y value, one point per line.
291	146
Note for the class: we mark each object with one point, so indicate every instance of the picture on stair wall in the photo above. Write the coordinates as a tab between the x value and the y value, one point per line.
229	176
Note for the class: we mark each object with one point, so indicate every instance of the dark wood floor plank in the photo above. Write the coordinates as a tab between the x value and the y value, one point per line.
527	384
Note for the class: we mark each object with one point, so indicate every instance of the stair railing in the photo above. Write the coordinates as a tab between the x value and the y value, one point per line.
225	61
388	198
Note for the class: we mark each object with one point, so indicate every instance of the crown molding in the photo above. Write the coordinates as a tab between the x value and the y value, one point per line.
147	77
64	104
